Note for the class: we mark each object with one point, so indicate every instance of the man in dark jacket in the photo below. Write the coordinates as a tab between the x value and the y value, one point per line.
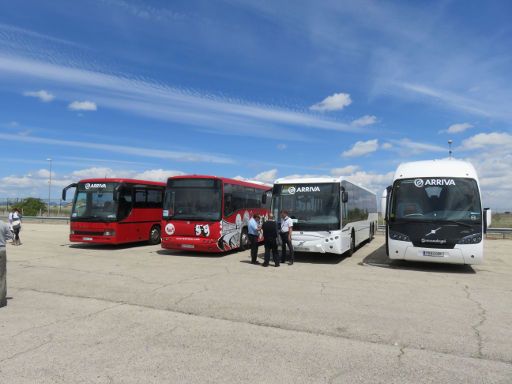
270	236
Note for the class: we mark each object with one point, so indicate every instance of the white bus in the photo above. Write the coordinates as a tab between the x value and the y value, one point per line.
433	212
330	215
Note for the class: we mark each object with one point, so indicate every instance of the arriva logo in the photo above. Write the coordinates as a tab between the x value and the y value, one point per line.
433	182
291	190
95	185
308	189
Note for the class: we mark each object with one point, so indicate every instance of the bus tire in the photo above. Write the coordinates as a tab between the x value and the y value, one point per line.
154	235
244	240
352	248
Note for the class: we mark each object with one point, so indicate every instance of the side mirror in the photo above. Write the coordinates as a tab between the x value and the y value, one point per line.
64	191
344	196
383	203
487	218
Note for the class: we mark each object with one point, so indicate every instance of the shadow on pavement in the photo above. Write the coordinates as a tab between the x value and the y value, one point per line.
180	253
378	258
106	246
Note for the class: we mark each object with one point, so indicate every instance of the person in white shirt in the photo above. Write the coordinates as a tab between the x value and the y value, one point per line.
286	236
16	226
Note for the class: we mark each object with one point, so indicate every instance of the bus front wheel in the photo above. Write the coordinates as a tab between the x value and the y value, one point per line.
154	235
352	248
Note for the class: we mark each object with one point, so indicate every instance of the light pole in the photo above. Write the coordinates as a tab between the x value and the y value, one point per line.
49	186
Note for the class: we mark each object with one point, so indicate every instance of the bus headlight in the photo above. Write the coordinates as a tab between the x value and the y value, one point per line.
398	236
471	239
109	232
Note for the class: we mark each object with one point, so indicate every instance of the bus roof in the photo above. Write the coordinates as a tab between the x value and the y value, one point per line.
122	180
436	168
313	180
246	183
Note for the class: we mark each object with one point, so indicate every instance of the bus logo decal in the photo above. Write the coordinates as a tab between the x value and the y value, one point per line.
203	230
169	229
291	190
433	182
95	185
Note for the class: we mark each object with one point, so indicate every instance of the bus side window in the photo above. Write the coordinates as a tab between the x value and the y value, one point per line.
140	198
154	198
124	203
228	199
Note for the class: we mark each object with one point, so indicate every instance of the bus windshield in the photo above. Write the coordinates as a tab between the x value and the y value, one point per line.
95	201
193	199
436	199
310	206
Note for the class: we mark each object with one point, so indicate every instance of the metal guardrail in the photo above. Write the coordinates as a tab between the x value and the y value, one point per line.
490	231
40	218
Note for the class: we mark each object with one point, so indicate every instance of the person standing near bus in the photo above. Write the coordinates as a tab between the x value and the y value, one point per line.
5	234
16	226
269	229
286	236
254	234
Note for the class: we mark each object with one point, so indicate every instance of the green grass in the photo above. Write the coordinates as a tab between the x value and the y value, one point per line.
501	220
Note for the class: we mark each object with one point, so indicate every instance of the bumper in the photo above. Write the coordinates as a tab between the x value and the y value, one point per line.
190	244
461	254
93	239
316	243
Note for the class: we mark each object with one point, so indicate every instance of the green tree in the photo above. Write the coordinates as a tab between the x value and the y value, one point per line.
32	206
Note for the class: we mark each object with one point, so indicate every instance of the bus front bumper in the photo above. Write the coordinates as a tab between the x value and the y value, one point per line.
190	244
94	239
317	242
461	254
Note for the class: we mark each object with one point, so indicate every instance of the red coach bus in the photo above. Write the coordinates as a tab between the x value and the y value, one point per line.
116	211
211	214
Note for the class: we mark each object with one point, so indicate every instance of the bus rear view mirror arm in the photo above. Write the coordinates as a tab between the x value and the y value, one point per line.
66	189
344	196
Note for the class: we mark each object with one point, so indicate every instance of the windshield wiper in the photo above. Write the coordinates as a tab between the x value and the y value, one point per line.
459	223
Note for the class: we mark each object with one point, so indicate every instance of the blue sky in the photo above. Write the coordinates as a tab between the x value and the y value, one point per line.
256	89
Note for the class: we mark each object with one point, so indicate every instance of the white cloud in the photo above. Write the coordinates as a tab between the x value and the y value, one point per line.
44	173
36	183
458	128
343	171
335	102
364	121
407	147
267	176
42	95
160	101
282	146
483	140
361	148
82	106
157	174
386	146
136	151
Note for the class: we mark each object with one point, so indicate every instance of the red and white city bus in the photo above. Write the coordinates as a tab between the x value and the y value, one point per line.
116	211
209	213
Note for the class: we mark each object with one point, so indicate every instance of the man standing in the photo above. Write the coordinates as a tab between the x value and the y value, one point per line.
5	234
254	234
269	228
286	236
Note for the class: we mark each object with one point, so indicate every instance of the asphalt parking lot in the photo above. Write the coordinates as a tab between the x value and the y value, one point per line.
137	314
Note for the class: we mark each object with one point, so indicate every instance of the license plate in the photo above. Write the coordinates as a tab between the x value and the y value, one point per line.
87	238
433	253
189	246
